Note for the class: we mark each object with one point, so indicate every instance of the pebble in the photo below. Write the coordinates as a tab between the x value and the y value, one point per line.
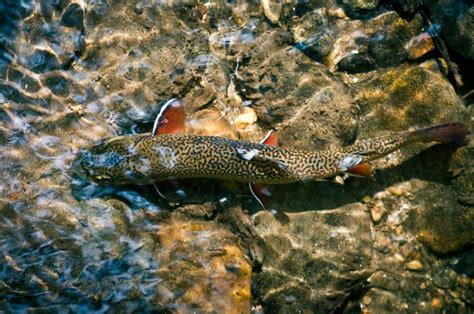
419	46
436	303
290	299
455	294
73	16
339	180
415	265
435	65
464	280
337	13
246	118
366	300
399	230
377	212
396	190
444	279
399	257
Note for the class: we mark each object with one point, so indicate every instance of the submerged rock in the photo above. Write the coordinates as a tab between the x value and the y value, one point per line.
419	46
438	220
41	61
73	16
314	260
462	168
408	6
202	268
313	35
297	96
455	18
397	99
361	4
362	46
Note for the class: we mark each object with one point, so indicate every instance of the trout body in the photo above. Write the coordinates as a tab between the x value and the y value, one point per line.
144	159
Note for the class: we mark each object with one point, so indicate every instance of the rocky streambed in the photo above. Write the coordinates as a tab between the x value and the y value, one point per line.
322	74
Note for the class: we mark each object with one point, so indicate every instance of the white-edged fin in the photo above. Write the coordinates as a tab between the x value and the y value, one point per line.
159	193
255	195
253	155
158	117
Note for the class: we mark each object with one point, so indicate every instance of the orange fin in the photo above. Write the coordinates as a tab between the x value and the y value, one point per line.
270	139
171	118
262	192
363	170
173	186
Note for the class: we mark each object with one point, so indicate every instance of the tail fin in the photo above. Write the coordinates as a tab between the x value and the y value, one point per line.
452	133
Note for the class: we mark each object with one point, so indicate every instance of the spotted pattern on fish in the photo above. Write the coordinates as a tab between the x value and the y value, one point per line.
144	159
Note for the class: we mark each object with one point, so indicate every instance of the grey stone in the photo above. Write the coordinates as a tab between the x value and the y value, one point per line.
445	279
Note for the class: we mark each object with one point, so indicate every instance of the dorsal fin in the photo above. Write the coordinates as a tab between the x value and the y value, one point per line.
170	119
363	170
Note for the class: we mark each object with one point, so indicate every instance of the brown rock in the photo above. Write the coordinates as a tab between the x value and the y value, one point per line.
202	267
414	265
438	219
419	46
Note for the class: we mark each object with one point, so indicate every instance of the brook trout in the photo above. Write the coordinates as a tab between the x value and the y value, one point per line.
146	158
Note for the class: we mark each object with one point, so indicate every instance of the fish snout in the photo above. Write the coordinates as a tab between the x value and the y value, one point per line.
80	166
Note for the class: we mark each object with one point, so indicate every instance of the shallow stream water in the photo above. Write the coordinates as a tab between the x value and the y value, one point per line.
321	73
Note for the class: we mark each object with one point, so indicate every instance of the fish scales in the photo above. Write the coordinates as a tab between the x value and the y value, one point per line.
144	159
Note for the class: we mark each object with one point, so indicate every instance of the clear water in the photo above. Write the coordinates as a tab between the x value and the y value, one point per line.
75	72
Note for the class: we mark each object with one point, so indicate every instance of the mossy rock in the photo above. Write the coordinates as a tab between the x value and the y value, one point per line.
399	98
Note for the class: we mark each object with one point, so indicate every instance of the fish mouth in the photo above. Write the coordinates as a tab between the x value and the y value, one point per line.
82	170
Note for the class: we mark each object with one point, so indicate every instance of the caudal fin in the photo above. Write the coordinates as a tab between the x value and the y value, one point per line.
452	133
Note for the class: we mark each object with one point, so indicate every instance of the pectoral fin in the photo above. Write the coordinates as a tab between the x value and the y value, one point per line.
273	162
171	118
270	139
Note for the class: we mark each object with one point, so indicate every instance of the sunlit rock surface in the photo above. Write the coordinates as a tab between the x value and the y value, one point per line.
396	99
202	268
295	94
312	261
322	74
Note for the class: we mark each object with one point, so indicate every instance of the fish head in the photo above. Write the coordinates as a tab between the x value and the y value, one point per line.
108	163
